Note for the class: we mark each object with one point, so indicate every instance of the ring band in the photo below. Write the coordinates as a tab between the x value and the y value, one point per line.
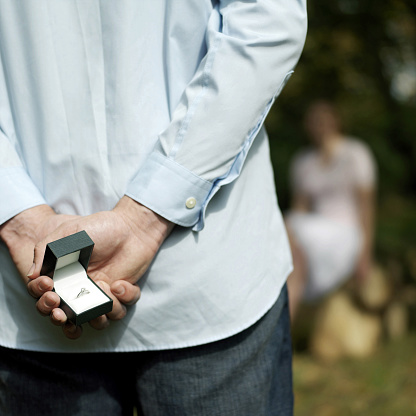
83	292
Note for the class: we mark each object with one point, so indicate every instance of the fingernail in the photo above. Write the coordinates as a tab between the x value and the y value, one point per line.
49	302
43	286
119	290
32	269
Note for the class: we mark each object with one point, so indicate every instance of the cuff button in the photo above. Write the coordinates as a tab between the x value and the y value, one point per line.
190	203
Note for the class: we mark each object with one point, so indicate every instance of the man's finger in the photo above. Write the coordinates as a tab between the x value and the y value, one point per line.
126	292
39	286
119	310
70	227
47	303
58	317
100	323
38	255
72	331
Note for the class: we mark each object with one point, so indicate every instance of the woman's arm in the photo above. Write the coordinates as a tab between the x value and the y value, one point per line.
366	210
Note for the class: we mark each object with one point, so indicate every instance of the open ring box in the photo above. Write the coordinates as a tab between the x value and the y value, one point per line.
66	262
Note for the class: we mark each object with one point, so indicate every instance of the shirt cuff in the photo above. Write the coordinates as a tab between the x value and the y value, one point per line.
170	190
18	193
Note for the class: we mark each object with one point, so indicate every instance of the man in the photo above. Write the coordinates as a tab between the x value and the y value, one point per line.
135	121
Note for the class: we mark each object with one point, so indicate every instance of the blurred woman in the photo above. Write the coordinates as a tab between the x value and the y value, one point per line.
331	221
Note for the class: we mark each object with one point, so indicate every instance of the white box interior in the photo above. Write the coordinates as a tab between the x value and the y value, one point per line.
73	285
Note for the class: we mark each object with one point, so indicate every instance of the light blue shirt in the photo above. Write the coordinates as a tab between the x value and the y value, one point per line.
160	101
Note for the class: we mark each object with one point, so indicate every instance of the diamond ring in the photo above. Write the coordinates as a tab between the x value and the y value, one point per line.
83	292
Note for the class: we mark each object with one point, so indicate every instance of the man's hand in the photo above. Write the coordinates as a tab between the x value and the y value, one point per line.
126	241
22	232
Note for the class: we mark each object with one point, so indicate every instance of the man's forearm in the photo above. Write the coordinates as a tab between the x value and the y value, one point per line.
24	224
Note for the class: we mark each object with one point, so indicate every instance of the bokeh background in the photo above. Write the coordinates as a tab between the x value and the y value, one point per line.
361	54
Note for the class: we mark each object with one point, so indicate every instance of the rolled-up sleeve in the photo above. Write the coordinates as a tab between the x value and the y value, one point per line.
252	50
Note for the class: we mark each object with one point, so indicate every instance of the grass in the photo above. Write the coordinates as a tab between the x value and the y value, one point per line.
384	384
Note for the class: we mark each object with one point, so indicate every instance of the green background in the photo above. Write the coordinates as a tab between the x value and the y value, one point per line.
361	54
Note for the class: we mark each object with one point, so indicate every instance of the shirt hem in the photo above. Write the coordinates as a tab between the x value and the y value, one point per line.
173	346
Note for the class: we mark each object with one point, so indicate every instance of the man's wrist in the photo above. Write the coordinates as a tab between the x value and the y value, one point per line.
141	218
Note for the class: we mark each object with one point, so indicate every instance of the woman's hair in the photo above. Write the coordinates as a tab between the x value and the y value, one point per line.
320	106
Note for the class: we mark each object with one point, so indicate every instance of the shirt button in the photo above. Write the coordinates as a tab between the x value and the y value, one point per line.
190	203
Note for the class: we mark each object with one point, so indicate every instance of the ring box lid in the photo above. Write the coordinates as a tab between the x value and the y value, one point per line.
66	246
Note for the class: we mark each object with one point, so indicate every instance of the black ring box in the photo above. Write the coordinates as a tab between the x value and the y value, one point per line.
66	262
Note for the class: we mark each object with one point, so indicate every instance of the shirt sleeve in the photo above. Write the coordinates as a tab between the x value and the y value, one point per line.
17	191
364	167
252	49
